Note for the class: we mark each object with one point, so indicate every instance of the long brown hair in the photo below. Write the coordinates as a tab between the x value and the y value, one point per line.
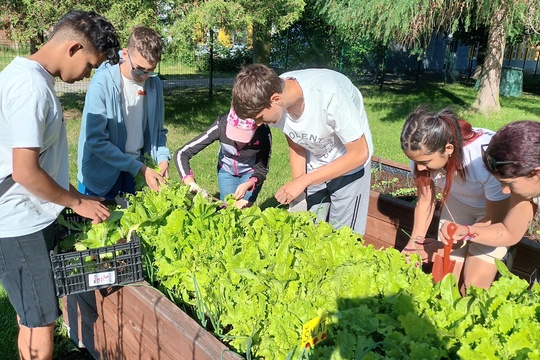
430	132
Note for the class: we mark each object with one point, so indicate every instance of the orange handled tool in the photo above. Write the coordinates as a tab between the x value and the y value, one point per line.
442	265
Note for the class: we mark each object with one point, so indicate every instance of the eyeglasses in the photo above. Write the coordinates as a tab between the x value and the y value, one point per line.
141	72
491	163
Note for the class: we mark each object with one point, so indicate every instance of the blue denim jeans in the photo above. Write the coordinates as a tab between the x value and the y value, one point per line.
228	184
124	185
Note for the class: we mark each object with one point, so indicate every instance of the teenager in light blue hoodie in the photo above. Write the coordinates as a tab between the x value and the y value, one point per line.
123	120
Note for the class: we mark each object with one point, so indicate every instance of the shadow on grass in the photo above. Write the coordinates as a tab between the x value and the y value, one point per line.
191	109
398	99
187	108
269	202
525	103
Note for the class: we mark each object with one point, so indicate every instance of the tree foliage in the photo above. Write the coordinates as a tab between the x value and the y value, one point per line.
313	42
411	22
192	19
27	20
181	22
309	42
31	20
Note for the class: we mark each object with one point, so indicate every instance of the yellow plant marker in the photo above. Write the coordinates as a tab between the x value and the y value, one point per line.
314	331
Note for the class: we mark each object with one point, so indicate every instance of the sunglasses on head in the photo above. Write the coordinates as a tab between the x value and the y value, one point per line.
491	163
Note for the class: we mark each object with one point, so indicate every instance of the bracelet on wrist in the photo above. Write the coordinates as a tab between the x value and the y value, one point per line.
417	239
469	235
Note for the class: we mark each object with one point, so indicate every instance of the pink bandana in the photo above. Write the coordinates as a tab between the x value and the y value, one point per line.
240	130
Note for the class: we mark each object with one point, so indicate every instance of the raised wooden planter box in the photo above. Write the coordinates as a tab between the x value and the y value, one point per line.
138	322
390	221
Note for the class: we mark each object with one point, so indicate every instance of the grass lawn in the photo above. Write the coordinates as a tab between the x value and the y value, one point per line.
388	110
189	112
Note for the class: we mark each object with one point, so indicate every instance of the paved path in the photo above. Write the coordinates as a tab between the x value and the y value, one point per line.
82	86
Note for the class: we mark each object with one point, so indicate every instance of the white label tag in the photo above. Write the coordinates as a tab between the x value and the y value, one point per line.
102	278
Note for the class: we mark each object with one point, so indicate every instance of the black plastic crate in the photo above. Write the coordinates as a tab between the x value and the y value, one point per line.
79	271
94	269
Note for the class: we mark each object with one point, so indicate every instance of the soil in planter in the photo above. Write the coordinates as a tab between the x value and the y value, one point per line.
402	187
396	185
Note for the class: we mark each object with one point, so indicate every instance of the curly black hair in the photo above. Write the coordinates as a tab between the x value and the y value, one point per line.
94	28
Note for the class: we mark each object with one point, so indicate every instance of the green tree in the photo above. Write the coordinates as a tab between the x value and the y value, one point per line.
312	42
411	22
30	21
309	42
192	18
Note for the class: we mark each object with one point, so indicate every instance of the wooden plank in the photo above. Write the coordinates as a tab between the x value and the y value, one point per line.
391	163
204	344
377	244
140	328
386	233
115	335
397	212
99	339
145	322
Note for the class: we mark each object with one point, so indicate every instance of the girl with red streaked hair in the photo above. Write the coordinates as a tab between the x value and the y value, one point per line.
446	154
513	158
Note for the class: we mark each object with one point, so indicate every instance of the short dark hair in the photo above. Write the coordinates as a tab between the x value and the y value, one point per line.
517	144
252	89
94	29
146	42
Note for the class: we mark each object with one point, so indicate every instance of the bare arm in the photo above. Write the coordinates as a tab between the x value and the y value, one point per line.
505	233
423	211
356	155
297	158
28	173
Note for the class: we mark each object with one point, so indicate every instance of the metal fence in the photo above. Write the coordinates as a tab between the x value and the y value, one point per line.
174	73
289	53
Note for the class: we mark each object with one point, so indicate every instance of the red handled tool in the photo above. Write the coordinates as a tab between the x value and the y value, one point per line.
442	265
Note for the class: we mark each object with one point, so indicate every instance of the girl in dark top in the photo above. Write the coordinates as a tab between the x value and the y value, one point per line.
243	157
